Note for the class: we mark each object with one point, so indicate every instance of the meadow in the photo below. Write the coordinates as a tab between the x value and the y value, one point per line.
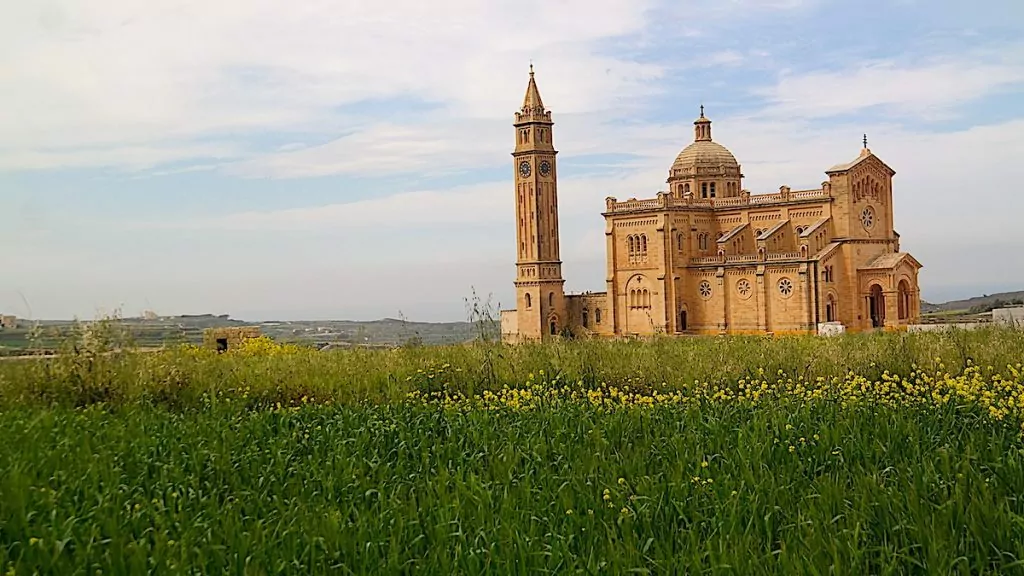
864	454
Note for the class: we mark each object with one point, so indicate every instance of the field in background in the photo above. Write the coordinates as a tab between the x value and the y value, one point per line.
874	453
170	331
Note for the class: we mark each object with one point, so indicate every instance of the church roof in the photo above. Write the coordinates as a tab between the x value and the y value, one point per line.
890	261
814	227
864	155
773	229
729	235
705	152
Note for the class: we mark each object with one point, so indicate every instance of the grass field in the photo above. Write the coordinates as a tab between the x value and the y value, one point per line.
865	454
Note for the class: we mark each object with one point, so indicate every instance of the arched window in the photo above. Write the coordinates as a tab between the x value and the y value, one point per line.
686	188
647	299
529	301
679	241
597	315
712	189
643	246
551	298
703	189
586	318
554	327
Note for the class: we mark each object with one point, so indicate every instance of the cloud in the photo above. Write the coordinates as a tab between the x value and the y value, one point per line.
124	75
919	90
470	205
129	157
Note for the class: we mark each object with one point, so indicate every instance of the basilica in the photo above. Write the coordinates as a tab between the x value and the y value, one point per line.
706	256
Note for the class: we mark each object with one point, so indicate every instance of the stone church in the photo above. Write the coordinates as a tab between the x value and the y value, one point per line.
706	256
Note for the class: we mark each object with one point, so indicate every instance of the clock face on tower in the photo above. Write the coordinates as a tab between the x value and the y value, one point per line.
545	168
524	169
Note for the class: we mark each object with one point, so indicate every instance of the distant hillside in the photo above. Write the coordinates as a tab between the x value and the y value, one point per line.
977	303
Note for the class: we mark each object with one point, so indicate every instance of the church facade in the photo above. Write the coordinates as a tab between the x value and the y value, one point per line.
705	256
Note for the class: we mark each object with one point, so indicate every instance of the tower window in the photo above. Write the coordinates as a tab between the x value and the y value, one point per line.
712	189
703	189
686	188
529	302
551	298
597	315
636	248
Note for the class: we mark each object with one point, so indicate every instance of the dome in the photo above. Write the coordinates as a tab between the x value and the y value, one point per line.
705	153
704	156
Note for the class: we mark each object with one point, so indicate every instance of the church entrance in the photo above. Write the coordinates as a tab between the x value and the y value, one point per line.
830	309
876	306
682	321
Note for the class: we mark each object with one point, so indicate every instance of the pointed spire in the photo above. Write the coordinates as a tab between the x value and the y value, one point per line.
532	101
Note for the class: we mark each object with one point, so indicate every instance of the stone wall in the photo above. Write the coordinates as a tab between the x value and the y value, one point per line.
1009	316
229	337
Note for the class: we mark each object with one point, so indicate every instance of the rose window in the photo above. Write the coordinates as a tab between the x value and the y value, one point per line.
705	289
743	287
786	287
867	217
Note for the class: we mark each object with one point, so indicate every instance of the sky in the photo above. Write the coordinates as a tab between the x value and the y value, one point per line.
345	159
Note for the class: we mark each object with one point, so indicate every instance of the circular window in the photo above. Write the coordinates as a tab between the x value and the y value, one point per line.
743	287
786	287
705	289
867	217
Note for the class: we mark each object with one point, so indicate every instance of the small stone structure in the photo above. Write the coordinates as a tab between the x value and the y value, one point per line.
1009	316
224	339
831	329
8	322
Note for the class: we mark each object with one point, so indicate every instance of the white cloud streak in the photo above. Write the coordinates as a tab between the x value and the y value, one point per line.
120	74
926	90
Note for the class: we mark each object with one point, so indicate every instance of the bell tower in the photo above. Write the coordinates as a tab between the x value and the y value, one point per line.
540	296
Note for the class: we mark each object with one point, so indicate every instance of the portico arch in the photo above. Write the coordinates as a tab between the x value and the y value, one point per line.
876	305
903	300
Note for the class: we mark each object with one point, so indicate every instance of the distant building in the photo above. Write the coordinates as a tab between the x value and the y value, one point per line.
708	257
224	339
1009	316
8	322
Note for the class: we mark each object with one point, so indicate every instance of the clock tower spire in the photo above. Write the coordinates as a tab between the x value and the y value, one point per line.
540	296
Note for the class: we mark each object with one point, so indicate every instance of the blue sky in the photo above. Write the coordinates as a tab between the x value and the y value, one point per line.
325	159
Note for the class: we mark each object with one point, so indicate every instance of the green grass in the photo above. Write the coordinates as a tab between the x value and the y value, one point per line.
181	462
366	490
